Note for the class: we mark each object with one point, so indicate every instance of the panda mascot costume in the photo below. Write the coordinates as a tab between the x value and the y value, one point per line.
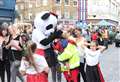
43	35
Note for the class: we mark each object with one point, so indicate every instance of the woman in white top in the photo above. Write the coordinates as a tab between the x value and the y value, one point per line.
93	72
34	66
80	41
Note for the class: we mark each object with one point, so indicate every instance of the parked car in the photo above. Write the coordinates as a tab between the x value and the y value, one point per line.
117	39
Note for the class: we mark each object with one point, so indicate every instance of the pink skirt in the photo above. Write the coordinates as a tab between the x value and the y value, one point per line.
41	77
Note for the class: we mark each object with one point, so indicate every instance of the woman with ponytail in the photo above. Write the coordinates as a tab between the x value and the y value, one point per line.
34	66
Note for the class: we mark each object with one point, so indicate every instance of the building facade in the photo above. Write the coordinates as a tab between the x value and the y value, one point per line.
7	11
66	9
103	9
69	10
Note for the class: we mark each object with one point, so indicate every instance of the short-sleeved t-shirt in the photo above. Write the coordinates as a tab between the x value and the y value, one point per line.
40	63
92	57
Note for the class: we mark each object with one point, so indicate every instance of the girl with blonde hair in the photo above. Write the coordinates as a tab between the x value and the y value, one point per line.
34	66
93	72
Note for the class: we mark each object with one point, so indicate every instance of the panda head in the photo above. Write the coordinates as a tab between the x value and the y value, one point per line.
46	22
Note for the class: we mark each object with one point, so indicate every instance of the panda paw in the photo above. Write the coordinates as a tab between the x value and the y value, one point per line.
58	34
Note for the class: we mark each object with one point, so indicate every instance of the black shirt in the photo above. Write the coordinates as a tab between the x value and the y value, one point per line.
16	54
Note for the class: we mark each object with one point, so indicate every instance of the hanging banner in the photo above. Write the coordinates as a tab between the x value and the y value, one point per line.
82	12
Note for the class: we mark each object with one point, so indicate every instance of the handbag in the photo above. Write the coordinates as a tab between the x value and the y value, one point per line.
15	62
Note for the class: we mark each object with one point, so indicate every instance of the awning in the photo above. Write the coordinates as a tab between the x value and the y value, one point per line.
104	23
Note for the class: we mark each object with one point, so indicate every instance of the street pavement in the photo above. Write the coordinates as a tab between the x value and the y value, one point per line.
110	65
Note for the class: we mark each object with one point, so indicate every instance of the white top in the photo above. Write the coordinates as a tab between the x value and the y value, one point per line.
40	63
81	49
92	57
15	42
37	36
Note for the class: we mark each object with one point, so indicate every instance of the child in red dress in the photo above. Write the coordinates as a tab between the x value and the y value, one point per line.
34	66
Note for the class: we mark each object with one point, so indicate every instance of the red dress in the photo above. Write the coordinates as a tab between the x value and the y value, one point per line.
41	77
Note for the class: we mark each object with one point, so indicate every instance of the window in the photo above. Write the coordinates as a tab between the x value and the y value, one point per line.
30	5
75	2
21	17
38	3
30	16
57	1
95	2
45	2
66	14
75	15
21	7
66	2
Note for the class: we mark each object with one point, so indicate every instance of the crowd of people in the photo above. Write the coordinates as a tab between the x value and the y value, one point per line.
76	54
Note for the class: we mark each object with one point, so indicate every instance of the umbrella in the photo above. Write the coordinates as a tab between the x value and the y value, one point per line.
104	23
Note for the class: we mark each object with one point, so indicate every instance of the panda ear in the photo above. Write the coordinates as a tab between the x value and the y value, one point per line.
45	16
54	14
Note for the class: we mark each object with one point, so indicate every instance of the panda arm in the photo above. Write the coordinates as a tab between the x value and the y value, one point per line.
56	34
48	40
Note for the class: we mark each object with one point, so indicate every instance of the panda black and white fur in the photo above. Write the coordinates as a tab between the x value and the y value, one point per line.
45	32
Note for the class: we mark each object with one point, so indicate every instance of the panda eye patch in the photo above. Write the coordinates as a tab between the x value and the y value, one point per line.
45	16
49	27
